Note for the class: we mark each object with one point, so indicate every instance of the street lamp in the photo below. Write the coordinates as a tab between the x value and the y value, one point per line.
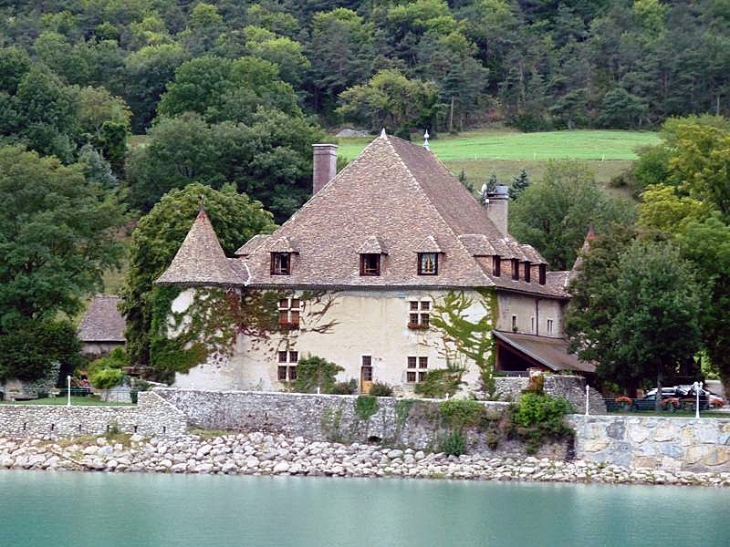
68	389
697	386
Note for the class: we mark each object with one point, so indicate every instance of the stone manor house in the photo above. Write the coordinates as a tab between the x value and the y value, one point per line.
358	274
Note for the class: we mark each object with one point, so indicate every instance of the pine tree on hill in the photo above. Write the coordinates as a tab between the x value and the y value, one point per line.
519	184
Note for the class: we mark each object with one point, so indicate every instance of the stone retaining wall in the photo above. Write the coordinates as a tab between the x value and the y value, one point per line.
398	422
572	388
152	416
670	444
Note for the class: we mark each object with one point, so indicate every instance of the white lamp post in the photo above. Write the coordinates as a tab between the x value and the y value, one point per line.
697	386
68	388
587	400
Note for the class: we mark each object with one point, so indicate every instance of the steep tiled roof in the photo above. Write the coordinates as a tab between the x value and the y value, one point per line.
200	260
102	321
389	199
252	244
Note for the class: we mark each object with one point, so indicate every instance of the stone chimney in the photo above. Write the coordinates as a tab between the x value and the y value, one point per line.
325	165
497	204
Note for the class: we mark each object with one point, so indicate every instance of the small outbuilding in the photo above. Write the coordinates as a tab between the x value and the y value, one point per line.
102	327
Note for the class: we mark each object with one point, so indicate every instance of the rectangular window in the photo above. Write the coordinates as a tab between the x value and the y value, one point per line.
515	269
428	263
370	264
527	272
367	361
287	370
549	326
416	369
542	271
280	263
496	266
419	316
289	310
514	323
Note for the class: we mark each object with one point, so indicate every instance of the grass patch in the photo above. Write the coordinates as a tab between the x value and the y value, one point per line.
597	145
504	152
61	401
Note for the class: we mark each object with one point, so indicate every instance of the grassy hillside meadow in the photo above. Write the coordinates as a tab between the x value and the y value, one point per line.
505	152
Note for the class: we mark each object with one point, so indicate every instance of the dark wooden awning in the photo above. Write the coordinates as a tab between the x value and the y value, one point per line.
543	351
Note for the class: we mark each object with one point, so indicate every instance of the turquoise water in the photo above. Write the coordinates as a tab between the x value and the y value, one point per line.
105	510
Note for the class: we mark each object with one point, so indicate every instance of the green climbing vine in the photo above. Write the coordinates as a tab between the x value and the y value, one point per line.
209	325
182	340
465	340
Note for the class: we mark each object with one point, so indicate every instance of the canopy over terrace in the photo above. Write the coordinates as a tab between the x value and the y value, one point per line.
519	352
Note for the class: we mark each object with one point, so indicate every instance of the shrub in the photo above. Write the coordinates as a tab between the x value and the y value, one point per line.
345	388
454	444
315	372
461	413
106	372
440	382
366	406
381	389
539	418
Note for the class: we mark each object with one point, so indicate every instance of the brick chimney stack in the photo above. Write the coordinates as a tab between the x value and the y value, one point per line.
325	165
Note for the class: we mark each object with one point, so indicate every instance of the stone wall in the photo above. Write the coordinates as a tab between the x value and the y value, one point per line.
400	422
151	416
572	388
670	444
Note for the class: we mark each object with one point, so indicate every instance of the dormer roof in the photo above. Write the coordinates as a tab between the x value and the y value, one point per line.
372	245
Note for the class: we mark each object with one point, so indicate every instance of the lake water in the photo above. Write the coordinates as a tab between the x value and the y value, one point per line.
106	510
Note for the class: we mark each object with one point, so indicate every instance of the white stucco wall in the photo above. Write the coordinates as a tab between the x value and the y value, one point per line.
526	308
373	323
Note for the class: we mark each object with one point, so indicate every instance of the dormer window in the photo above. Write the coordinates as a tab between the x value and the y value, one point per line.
542	272
281	263
515	269
496	266
428	263
527	272
370	264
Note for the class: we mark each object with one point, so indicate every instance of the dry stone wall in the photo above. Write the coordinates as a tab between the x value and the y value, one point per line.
398	422
152	416
670	444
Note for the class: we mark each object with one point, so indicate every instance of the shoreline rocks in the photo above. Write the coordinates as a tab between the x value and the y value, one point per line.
263	454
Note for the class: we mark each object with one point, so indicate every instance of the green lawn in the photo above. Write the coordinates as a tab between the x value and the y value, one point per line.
505	152
61	401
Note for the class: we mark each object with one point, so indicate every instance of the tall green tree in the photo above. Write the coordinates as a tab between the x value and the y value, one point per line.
157	238
553	215
635	311
269	159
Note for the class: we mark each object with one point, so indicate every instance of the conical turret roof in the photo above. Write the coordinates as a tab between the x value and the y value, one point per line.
200	260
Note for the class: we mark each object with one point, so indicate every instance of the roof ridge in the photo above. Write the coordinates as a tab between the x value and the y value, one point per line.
436	209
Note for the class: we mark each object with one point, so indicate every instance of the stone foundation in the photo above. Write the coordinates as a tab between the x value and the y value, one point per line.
670	444
572	388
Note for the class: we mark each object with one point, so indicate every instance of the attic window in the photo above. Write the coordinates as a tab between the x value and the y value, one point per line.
280	263
527	272
515	269
428	263
369	264
497	266
542	273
